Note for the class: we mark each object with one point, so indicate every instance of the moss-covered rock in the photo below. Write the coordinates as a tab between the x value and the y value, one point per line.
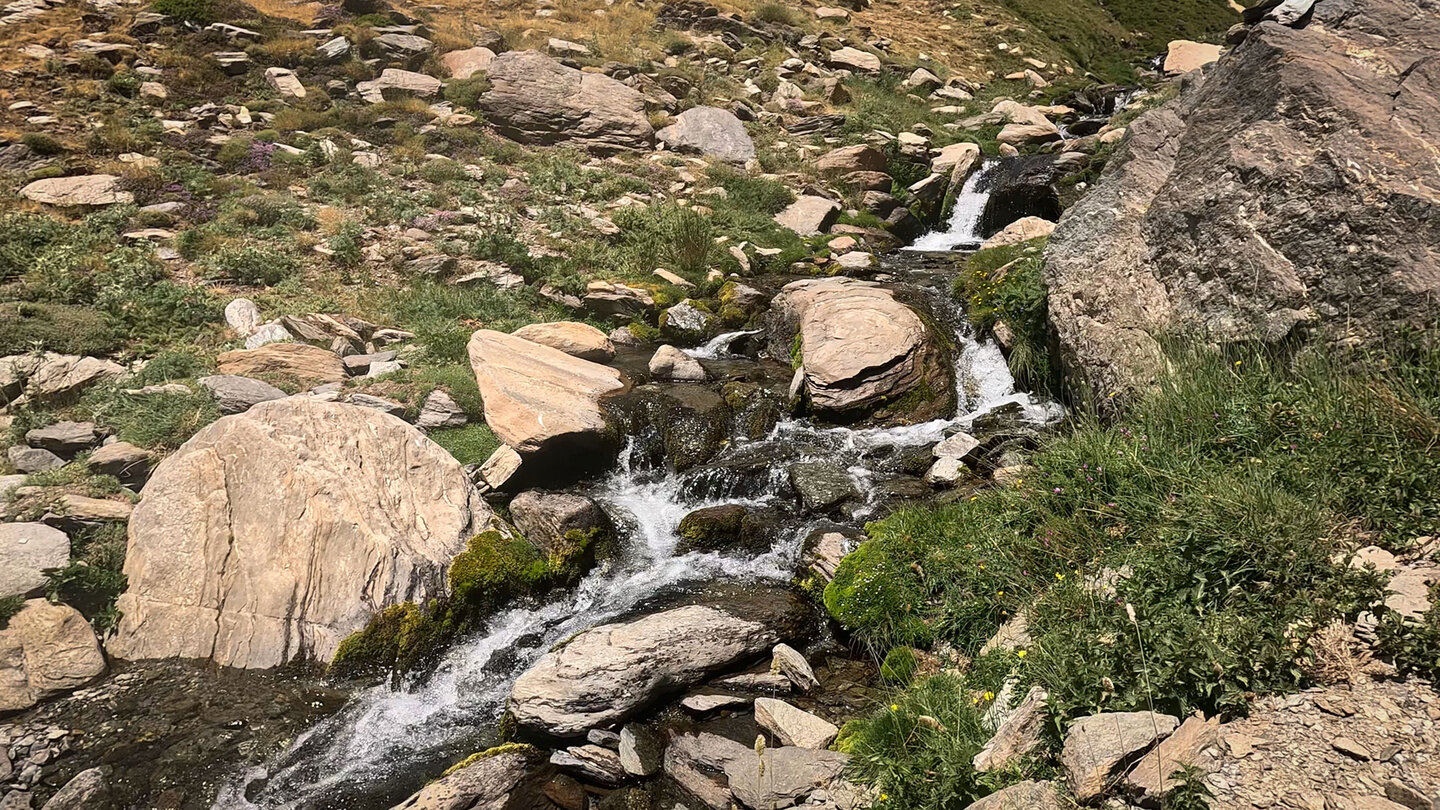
726	527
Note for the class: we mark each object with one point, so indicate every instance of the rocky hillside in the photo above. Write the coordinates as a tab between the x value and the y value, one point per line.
530	404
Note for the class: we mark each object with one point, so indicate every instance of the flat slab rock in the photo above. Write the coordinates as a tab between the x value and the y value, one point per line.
273	534
27	549
1099	746
537	397
606	674
535	99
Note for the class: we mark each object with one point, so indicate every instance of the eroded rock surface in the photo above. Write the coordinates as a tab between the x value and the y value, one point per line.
271	535
535	99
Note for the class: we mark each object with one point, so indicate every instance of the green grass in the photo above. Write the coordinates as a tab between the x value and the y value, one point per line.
161	421
95	577
1228	496
443	317
471	444
1004	285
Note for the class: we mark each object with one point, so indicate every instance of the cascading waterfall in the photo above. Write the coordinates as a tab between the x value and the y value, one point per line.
384	742
970	203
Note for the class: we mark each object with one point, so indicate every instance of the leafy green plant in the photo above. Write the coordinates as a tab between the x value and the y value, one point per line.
199	11
255	264
1003	285
95	577
691	241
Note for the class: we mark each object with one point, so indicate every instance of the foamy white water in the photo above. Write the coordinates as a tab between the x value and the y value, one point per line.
961	232
718	346
386	735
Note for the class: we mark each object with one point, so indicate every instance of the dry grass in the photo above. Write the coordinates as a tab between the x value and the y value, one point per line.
302	12
1338	658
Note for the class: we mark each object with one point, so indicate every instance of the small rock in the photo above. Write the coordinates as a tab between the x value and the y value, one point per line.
592	763
669	363
236	394
704	704
440	411
639	750
1352	748
32	460
788	661
793	726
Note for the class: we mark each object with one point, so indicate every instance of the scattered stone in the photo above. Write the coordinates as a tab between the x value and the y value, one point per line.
711	132
1017	735
267	334
28	549
242	316
546	518
789	662
30	460
606	298
770	682
705	704
535	99
1026	795
387	406
1183	56
237	394
1021	230
855	59
780	777
847	159
466	63
285	82
575	339
808	216
669	363
1151	778
310	365
64	439
603	675
591	763
792	726
87	789
395	83
123	461
1098	746
504	779
226	547
640	750
440	411
53	377
81	190
46	650
1351	748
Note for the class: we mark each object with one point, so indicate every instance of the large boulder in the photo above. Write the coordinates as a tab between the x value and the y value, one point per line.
862	351
608	673
544	403
46	650
1183	56
709	131
465	63
535	99
1097	748
809	215
273	534
1292	189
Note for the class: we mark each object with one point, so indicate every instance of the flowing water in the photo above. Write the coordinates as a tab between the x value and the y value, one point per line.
963	229
386	741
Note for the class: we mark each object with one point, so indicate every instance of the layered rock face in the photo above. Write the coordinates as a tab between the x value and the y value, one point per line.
273	534
544	403
861	349
535	99
1295	188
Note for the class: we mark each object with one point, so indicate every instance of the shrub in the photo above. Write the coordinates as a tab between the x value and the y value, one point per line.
95	577
777	13
256	264
161	421
42	144
56	328
198	11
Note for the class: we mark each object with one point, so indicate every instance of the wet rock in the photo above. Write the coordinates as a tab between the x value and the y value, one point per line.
688	320
513	776
693	421
605	674
768	682
669	363
544	403
862	351
64	439
809	215
575	339
28	549
547	519
1098	747
1026	795
566	793
591	763
789	774
1026	186
725	528
789	662
640	750
237	523
705	704
535	99
824	551
440	411
821	485
709	131
82	190
792	726
46	650
310	365
697	763
951	458
87	789
236	394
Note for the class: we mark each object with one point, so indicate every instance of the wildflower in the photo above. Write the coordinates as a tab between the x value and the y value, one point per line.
1238	362
894	707
1019	653
883	797
999	593
1059	576
989	696
1058	490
